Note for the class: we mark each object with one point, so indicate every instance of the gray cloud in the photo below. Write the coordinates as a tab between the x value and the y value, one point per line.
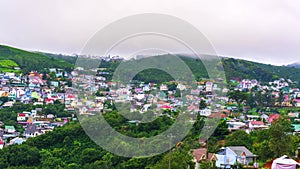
265	31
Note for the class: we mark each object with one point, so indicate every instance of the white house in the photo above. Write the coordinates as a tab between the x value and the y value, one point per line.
235	125
284	162
163	87
232	155
205	112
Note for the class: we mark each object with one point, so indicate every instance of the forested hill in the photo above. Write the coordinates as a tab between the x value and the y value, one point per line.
28	61
234	68
69	147
242	69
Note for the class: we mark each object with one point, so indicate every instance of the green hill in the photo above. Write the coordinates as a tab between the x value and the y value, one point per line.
28	61
234	68
67	147
263	72
67	58
237	68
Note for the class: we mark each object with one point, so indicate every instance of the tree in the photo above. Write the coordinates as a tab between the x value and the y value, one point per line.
280	98
238	96
53	162
251	101
262	149
4	99
281	142
239	138
23	155
222	130
179	158
268	99
90	155
202	104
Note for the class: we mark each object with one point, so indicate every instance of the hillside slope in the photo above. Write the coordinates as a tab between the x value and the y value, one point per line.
234	68
28	61
262	72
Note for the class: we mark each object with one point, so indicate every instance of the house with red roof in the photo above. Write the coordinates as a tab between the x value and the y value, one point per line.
200	156
1	144
165	107
49	101
273	117
256	124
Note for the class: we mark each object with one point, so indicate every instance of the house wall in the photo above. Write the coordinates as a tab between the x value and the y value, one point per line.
225	159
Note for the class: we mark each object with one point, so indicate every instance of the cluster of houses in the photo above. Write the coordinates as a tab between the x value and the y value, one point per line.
227	157
143	97
34	124
33	88
291	96
37	89
252	122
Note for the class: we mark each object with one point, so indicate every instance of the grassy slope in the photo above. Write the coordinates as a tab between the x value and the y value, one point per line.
8	66
31	61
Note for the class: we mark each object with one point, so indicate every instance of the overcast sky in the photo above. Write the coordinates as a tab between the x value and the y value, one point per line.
259	30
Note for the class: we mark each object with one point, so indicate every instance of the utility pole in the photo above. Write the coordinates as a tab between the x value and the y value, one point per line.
207	128
171	137
207	160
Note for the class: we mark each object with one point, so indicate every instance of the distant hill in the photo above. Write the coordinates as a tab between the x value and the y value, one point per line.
262	72
237	68
296	65
234	68
67	58
28	61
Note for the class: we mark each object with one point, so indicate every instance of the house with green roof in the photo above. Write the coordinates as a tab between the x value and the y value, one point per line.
9	129
296	127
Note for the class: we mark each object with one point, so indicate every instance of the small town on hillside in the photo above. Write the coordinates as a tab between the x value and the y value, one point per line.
248	105
150	84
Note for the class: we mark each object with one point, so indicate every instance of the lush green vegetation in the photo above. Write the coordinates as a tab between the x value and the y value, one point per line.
233	68
8	63
28	61
8	66
70	147
262	72
70	59
267	144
